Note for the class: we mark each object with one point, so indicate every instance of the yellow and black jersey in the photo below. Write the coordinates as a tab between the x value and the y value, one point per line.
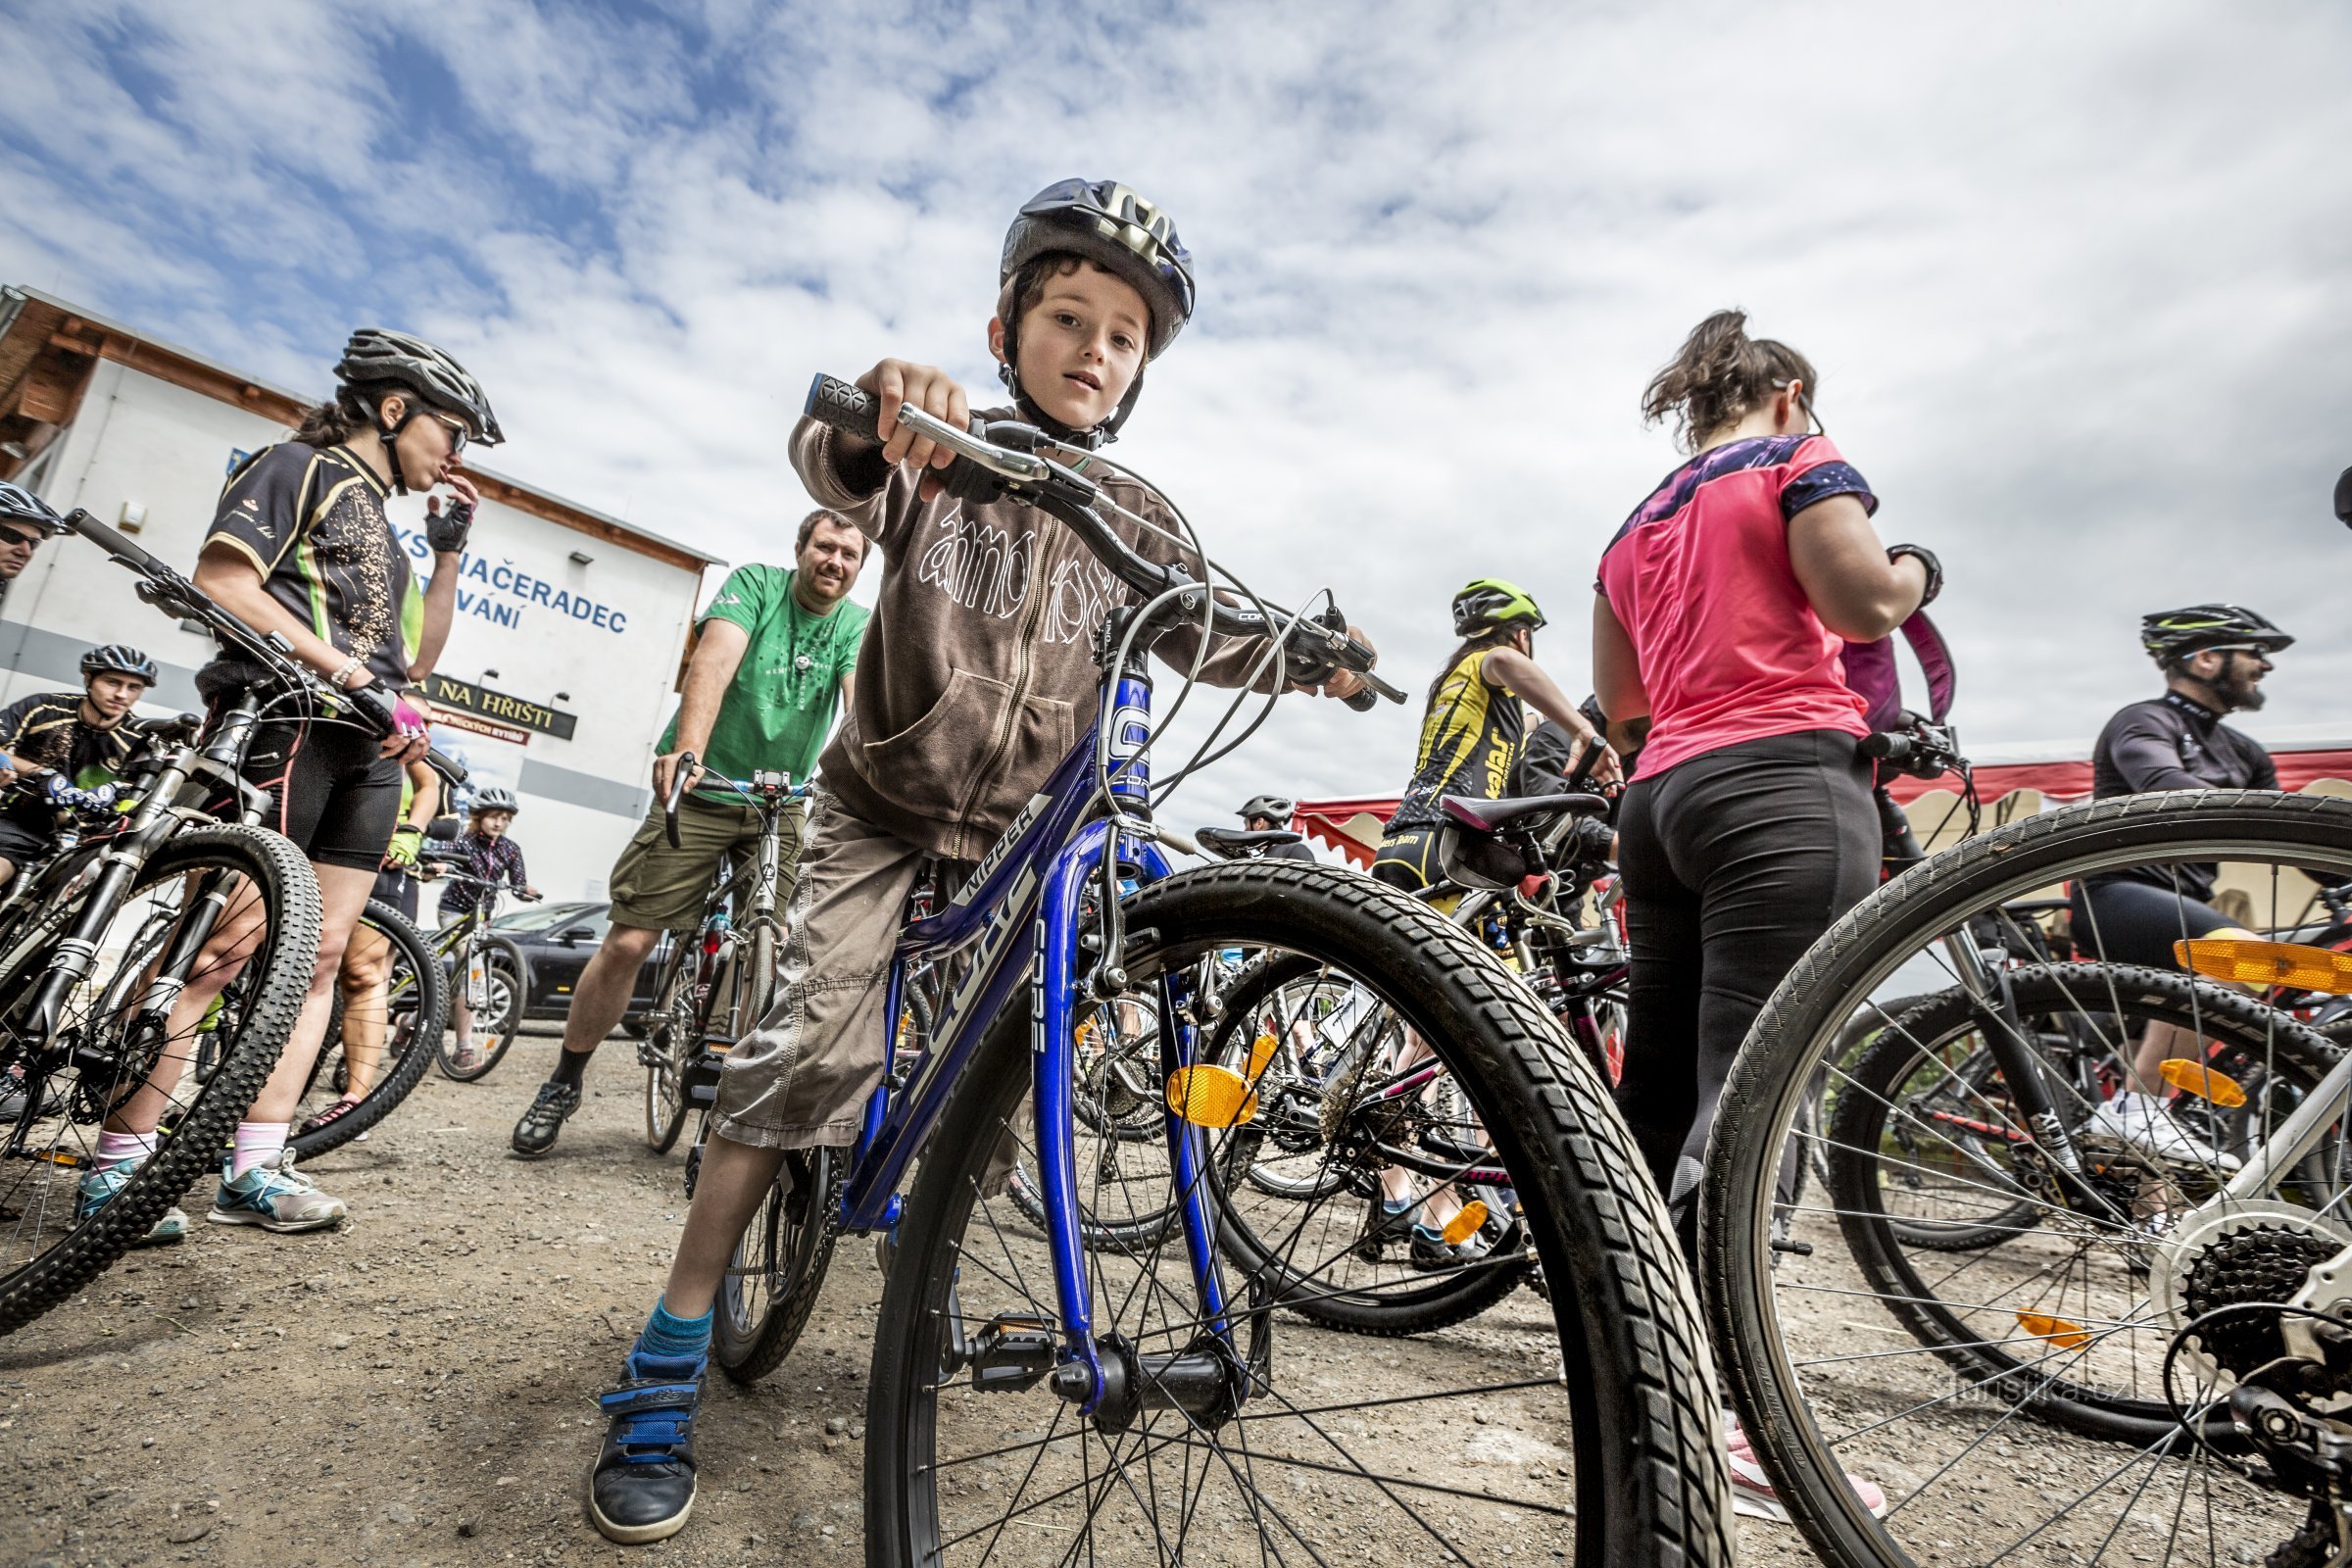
1469	739
46	731
312	520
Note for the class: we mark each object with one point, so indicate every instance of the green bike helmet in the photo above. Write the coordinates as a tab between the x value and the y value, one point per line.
1492	602
2173	634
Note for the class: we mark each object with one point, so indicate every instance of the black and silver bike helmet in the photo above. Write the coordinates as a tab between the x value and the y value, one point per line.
376	359
495	798
1104	221
117	658
1274	807
20	505
2173	634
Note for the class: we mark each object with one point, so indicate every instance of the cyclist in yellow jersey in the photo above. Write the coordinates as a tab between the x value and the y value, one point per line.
1473	727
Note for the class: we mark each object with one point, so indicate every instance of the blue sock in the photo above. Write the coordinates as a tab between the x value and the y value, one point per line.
1388	1207
668	1334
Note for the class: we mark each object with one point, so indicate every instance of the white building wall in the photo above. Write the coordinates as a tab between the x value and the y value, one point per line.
608	633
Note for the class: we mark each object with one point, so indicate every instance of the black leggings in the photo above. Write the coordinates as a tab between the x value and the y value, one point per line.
1735	863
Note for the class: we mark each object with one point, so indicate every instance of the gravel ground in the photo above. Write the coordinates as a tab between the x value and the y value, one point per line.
414	1388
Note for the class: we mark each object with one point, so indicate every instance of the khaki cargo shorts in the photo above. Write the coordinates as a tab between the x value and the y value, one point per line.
657	888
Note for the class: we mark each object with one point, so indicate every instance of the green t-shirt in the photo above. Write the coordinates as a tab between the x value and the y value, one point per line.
781	702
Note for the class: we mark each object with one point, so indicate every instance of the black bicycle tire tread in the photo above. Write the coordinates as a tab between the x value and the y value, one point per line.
2031	846
1680	1513
787	1318
88	1250
499	949
386	1097
675	972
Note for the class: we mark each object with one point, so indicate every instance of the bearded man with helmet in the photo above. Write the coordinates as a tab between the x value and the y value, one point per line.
971	685
2213	658
301	547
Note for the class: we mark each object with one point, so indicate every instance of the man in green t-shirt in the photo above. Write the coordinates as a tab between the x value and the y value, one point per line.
770	669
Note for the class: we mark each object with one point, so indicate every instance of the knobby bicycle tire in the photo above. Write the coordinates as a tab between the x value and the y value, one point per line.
501	957
1649	1485
778	1267
192	1142
423	1023
1832	981
672	1040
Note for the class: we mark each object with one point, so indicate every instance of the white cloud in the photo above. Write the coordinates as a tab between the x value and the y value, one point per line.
2077	278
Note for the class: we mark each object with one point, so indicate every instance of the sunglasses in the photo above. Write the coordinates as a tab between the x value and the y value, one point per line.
16	536
1804	401
458	434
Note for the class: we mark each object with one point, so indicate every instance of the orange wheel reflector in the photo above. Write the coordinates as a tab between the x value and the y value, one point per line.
1086	1029
1208	1095
1465	1224
62	1156
2249	962
2206	1083
1261	1051
2057	1330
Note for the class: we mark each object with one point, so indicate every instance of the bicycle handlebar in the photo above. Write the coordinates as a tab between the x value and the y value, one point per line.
1001	457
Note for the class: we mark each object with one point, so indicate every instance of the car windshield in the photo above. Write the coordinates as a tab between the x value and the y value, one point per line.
550	917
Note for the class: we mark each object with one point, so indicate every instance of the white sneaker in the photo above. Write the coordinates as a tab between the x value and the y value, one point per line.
1753	1492
2140	1121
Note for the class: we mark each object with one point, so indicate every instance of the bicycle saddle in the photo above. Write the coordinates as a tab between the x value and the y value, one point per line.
1488	816
1233	842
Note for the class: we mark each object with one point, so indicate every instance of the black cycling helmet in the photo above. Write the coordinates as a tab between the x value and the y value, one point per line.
1274	807
117	658
1492	602
496	798
20	505
375	357
2169	635
1104	221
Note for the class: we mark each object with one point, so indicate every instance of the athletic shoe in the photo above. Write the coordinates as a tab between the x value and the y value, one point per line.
276	1197
2140	1122
1431	1252
326	1118
100	1184
1752	1492
463	1056
641	1488
535	1133
1384	1223
13	1097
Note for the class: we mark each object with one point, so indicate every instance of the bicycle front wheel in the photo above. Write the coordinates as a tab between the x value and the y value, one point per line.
673	1041
2019	1362
496	1021
108	1041
1583	1429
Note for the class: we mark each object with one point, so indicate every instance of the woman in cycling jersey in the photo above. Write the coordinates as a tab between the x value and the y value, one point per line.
1748	825
1473	727
301	547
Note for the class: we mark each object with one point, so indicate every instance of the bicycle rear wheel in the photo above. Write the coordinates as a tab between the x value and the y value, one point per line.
382	1041
671	1042
105	1047
780	1266
2031	1374
1595	1433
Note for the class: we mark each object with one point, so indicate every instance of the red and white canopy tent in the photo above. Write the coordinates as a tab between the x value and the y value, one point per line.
1351	824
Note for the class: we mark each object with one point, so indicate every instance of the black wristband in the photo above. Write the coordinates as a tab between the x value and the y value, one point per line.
1926	558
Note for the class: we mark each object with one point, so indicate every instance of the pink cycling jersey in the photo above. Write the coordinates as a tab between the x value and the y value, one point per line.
1728	647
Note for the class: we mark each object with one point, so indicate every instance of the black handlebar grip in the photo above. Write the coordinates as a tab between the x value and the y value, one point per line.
1364	699
1585	762
844	405
449	767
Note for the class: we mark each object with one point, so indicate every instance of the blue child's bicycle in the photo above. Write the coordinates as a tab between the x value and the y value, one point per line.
1124	1391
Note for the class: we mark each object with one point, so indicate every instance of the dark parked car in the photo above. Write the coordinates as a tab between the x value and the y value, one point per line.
557	940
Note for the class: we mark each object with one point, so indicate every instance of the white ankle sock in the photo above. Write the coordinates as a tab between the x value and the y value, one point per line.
258	1143
114	1147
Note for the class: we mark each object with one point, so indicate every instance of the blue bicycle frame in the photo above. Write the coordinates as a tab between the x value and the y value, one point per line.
1017	918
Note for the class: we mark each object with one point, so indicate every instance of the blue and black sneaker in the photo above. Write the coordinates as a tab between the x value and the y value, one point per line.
100	1184
641	1488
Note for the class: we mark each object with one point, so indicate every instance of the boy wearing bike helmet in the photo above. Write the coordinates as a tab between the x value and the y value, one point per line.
2213	658
67	749
976	676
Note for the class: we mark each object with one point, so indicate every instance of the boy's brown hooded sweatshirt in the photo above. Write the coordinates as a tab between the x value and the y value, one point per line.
977	672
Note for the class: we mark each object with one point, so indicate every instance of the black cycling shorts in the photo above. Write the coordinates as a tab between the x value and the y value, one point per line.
398	889
22	844
2124	921
1408	859
329	791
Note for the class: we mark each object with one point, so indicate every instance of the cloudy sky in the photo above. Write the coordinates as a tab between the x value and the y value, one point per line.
2078	278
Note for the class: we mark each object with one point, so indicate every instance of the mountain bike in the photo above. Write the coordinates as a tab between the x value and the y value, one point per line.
2139	1353
717	979
100	940
490	967
1068	1396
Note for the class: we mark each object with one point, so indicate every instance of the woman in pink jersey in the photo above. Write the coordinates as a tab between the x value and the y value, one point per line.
1750	825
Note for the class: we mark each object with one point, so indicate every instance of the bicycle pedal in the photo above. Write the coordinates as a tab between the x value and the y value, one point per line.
1014	1352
